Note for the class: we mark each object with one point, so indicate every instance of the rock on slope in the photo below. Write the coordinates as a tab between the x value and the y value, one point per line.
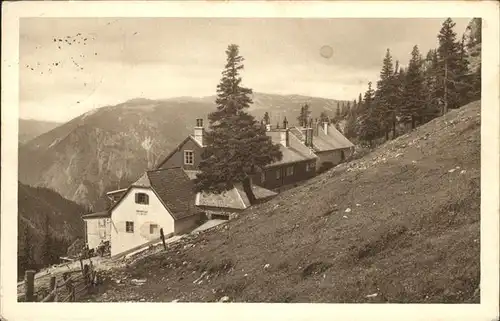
399	225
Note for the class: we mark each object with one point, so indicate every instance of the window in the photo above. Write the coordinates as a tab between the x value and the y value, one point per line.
153	229
129	227
278	174
188	157
289	171
310	166
102	223
141	198
102	234
262	177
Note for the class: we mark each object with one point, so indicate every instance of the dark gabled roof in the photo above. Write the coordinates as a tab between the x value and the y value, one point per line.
175	190
172	186
103	214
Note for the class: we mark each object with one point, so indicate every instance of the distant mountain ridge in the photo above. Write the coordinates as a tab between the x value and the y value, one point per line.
31	128
111	146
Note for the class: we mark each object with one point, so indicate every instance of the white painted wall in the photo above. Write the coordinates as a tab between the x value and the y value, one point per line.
156	213
98	229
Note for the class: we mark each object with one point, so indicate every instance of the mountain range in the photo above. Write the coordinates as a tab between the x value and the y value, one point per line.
109	147
31	128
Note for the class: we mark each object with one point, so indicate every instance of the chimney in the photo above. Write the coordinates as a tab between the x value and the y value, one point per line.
285	123
199	130
285	137
325	127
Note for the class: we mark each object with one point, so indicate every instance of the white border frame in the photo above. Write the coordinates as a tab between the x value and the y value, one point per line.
487	310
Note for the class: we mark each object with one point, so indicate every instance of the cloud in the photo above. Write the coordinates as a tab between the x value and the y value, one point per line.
125	58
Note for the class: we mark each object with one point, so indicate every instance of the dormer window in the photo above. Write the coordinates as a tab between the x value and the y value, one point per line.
188	157
141	198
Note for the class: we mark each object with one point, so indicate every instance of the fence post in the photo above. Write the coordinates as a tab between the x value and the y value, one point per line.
52	287
86	273
29	286
163	239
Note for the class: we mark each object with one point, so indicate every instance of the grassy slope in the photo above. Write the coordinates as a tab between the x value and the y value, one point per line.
413	238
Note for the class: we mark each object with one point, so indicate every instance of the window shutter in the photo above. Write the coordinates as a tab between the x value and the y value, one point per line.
137	197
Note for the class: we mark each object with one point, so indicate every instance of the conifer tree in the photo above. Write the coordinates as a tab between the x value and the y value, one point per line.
385	95
337	112
369	125
350	124
431	85
303	117
451	67
237	146
323	117
26	257
412	108
266	119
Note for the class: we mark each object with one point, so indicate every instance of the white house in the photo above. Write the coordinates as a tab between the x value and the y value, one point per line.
161	198
97	228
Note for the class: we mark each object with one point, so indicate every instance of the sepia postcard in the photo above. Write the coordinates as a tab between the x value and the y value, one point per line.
250	160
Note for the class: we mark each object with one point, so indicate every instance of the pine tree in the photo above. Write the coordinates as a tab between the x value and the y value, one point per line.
350	124
266	119
46	253
26	259
413	106
303	117
323	117
369	125
237	145
451	67
431	85
385	96
337	112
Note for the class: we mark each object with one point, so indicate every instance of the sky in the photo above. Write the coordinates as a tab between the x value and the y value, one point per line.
101	61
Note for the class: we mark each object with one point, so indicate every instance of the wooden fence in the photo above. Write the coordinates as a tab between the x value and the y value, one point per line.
71	286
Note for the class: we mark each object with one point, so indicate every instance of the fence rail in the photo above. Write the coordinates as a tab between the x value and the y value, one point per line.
68	289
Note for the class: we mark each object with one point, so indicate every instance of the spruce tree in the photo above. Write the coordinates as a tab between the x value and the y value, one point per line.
303	117
26	259
413	105
266	119
385	95
451	67
337	112
237	146
323	117
431	85
369	123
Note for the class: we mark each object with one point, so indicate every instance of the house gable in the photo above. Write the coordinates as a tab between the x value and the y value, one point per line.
176	158
133	224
